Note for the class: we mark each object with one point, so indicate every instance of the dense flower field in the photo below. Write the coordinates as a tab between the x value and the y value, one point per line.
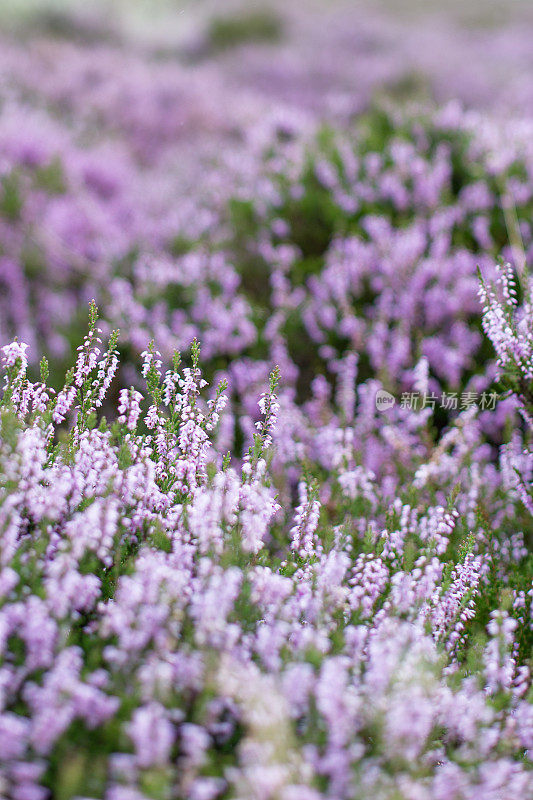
266	451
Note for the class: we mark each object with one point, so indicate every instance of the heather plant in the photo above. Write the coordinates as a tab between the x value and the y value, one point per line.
509	325
370	243
365	241
171	630
221	578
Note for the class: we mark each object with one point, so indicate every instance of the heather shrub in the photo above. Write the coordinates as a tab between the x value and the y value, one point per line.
172	628
295	563
370	242
509	325
362	242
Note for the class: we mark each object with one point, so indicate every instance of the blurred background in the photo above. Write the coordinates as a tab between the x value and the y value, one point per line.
127	125
322	55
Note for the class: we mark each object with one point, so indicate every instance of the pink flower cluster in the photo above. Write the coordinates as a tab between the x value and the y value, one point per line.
222	578
169	616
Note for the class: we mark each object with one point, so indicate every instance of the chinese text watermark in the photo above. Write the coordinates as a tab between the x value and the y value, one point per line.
449	401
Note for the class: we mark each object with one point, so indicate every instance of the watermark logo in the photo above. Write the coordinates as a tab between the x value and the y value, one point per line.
449	401
384	400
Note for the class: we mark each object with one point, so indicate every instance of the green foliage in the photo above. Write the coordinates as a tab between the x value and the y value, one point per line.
225	32
11	202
